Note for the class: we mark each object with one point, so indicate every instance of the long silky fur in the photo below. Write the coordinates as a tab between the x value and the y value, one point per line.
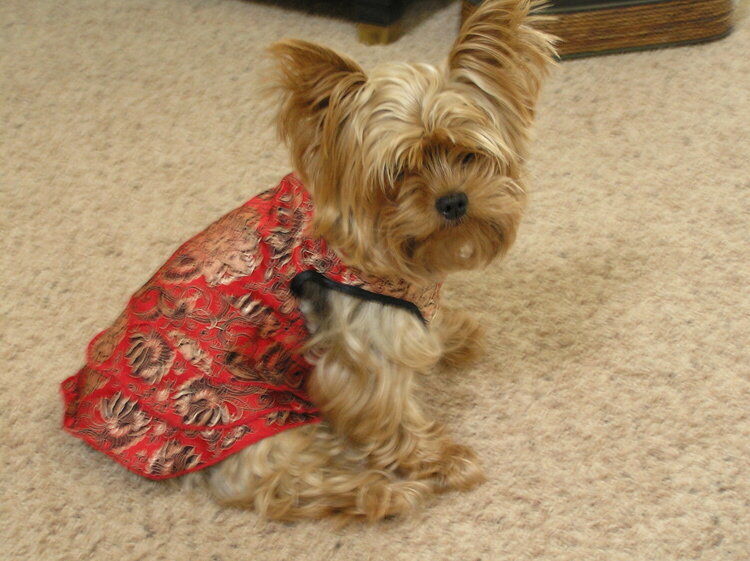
375	152
376	454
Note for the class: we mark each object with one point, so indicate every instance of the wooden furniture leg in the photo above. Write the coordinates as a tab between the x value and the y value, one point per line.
378	20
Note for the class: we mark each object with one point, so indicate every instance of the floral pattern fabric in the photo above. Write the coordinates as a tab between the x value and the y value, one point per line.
207	357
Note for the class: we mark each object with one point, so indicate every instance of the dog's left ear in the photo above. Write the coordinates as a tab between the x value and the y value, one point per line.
314	83
501	55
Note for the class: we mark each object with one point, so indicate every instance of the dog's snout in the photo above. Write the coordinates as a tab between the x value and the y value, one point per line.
452	206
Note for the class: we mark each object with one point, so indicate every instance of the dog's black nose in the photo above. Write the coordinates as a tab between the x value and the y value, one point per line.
452	206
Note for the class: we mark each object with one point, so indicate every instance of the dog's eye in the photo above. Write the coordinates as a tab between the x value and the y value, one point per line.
468	158
399	177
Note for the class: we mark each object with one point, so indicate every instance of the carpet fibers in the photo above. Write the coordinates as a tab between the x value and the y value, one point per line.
612	411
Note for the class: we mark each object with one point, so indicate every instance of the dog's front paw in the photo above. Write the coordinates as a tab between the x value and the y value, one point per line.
462	336
459	469
385	499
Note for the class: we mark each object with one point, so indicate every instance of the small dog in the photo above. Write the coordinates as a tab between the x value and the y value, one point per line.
275	357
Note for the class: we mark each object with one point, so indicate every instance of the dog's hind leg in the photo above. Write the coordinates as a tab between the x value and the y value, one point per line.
309	472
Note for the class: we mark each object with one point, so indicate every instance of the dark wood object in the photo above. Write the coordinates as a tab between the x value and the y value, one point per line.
378	20
596	27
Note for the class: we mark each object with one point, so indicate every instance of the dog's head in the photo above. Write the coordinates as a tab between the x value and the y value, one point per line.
416	171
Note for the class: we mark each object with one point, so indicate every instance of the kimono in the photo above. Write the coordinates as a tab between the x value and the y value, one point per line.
207	357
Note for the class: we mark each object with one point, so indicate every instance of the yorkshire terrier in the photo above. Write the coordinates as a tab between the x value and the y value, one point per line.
275	357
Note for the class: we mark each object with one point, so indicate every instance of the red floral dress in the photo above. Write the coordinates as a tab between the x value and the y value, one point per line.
206	359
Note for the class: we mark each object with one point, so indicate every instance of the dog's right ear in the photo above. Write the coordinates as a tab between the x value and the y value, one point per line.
313	82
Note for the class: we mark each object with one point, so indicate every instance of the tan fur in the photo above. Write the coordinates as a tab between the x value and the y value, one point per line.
376	151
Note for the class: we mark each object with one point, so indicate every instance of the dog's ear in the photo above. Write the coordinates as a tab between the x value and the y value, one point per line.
499	52
313	82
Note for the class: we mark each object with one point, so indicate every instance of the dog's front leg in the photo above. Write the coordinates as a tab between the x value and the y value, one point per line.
365	384
461	336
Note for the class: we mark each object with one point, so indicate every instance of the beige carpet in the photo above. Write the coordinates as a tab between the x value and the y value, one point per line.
613	410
